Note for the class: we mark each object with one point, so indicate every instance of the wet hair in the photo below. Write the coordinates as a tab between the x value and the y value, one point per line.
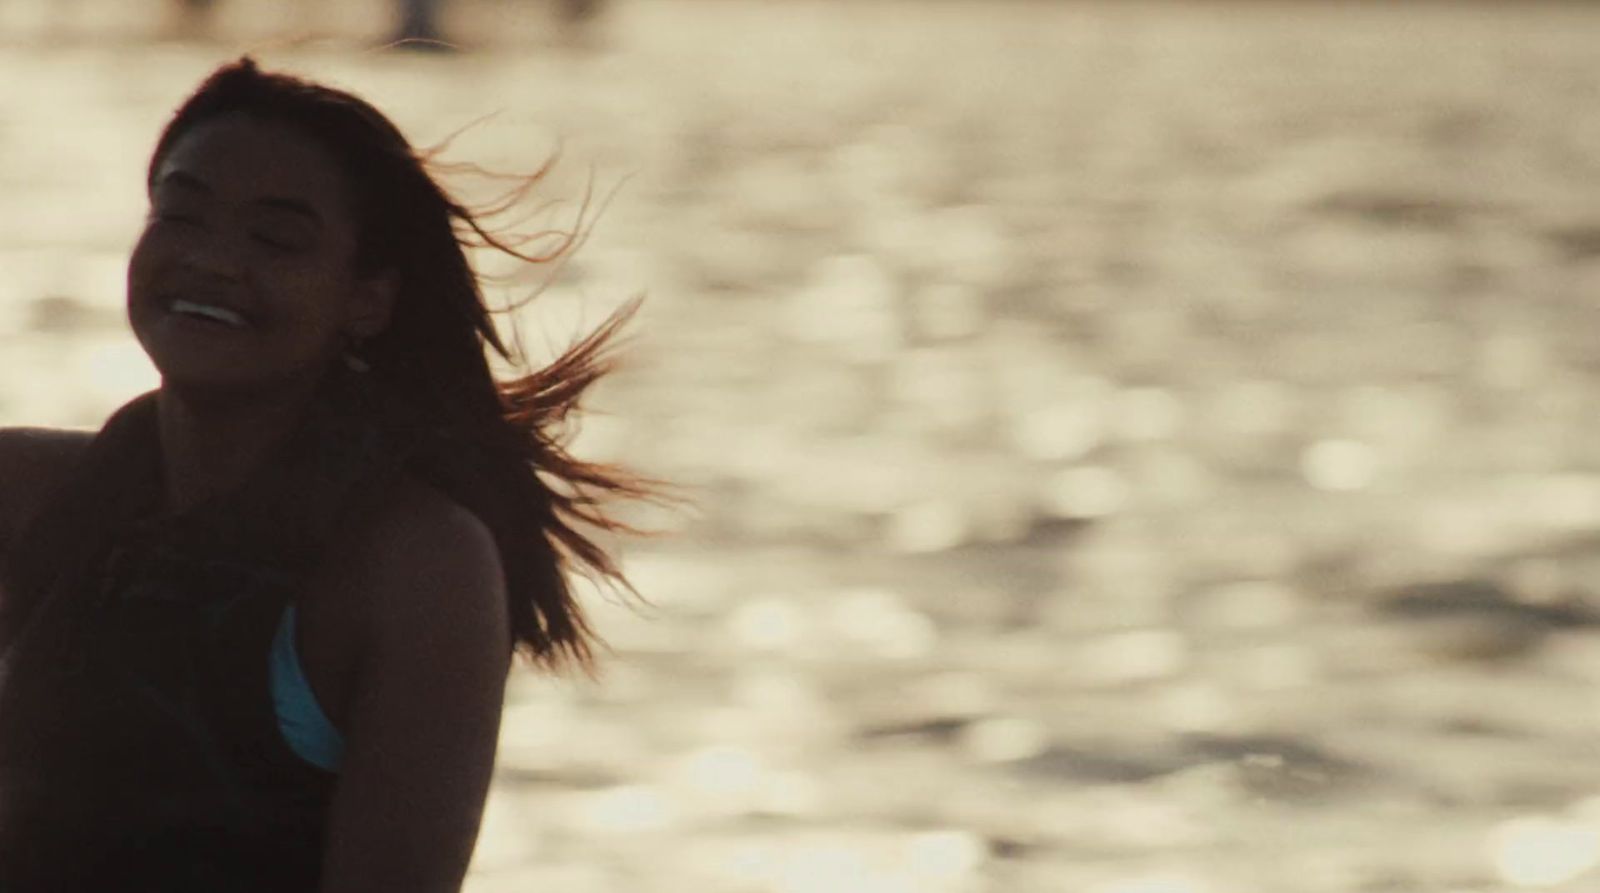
511	468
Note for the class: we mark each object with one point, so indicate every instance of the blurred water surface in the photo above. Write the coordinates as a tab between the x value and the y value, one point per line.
1140	448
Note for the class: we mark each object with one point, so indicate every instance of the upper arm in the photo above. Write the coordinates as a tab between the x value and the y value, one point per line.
434	653
33	462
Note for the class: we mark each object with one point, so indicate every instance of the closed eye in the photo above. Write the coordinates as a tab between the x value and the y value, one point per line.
275	244
282	230
281	236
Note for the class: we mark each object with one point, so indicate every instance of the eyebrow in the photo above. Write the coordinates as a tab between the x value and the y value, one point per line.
292	205
188	181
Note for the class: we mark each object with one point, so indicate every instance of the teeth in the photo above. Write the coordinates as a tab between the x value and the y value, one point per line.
220	314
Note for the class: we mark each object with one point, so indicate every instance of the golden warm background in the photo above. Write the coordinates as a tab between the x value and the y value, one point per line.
1138	447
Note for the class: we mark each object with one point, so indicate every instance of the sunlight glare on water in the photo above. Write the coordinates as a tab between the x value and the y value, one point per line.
1086	491
1163	882
848	305
949	311
943	387
932	525
769	623
1061	432
1198	706
934	861
628	809
1539	851
881	621
945	855
1145	414
1004	739
722	779
1339	465
794	794
954	693
1132	656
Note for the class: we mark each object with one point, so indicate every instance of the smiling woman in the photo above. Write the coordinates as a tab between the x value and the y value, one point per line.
254	633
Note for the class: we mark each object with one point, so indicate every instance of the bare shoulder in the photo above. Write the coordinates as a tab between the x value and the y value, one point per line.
426	696
33	462
418	577
416	525
423	558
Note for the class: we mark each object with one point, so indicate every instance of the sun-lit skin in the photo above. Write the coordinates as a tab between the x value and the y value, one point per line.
250	215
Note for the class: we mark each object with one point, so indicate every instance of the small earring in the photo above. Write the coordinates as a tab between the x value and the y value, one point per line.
352	355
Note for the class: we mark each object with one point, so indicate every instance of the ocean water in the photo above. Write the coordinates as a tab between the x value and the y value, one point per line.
1136	447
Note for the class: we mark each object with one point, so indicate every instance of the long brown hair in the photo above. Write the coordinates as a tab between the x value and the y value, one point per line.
512	468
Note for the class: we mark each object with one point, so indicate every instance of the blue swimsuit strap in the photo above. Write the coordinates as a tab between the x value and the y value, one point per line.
304	726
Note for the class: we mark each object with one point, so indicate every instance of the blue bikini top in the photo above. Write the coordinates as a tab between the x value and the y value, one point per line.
305	728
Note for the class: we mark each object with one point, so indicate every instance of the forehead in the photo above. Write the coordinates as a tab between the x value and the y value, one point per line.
243	158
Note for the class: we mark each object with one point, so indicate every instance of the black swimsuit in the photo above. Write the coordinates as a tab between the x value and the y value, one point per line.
139	745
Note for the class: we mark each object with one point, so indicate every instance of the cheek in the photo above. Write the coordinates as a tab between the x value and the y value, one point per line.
309	293
303	306
143	263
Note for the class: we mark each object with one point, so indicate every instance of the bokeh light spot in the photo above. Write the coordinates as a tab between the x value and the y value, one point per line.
627	809
1537	851
1089	491
1004	739
1339	465
946	855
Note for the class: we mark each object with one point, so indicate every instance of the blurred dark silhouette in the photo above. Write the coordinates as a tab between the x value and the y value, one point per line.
419	24
579	11
194	16
417	21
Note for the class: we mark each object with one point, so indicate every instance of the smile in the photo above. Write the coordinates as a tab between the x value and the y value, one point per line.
209	312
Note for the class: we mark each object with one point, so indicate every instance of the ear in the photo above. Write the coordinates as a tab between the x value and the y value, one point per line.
373	305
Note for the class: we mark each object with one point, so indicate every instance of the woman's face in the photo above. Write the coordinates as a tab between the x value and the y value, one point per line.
244	277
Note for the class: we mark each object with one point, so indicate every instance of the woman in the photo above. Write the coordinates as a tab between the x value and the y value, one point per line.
254	633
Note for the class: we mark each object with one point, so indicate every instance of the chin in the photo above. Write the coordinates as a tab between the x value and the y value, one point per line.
209	384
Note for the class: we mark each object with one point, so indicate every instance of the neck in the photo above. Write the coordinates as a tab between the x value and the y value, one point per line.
212	446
